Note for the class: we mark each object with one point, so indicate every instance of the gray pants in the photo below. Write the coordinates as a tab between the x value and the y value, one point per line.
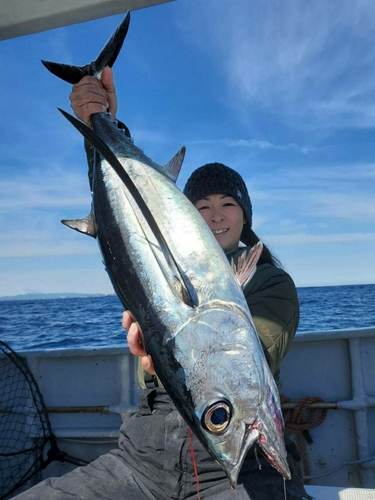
154	462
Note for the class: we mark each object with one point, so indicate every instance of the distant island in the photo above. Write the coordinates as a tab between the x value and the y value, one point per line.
40	296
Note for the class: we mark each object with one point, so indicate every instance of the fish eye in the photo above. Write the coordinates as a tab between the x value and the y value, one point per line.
217	417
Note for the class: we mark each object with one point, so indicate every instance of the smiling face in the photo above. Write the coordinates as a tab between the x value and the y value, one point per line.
224	217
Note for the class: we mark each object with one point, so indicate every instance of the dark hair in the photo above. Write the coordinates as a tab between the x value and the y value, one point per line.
216	178
267	257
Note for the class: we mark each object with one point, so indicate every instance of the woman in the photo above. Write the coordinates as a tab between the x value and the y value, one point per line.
221	196
157	457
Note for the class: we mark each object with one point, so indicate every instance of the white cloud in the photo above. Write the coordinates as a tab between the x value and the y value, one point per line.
331	174
35	245
58	48
306	60
83	280
305	64
149	136
45	188
340	192
327	204
252	144
289	225
349	206
31	208
318	239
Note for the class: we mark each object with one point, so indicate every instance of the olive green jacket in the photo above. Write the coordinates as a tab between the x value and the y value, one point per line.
273	302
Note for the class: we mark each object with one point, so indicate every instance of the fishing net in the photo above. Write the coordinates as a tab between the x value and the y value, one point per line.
25	429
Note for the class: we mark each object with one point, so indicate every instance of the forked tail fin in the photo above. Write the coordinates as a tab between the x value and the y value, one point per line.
107	57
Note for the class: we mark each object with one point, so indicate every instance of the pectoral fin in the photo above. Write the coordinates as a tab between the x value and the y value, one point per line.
247	264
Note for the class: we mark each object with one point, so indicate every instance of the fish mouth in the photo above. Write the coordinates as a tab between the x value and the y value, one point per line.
233	468
271	452
233	471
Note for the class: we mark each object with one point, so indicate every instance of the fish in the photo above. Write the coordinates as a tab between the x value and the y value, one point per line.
169	271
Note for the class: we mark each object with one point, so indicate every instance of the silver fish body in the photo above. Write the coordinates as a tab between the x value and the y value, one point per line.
168	269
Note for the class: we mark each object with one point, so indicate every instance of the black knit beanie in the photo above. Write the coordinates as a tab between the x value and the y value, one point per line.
216	178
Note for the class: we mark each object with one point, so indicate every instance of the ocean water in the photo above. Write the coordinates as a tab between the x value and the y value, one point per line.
96	321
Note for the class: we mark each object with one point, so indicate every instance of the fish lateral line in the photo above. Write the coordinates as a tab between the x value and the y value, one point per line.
188	295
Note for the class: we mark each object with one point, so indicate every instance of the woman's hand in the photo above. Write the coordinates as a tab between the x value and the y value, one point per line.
91	95
135	342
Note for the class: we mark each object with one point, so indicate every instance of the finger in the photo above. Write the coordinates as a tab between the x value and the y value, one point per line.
107	80
85	111
148	365
88	100
92	85
88	80
127	319
134	341
108	84
88	93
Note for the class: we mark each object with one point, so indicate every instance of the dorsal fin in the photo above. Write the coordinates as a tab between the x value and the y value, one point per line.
173	167
247	264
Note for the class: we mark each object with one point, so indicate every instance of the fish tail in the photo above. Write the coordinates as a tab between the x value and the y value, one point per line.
107	57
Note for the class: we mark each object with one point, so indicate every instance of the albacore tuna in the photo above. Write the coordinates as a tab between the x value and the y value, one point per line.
168	269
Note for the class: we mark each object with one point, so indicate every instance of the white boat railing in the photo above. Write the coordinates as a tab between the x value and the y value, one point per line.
90	391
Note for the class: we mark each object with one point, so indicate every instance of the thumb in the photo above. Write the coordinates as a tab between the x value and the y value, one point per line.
108	84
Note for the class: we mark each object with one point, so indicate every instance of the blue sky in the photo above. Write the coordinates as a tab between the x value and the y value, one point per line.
283	92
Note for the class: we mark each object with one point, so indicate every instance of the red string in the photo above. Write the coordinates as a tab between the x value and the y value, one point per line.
190	434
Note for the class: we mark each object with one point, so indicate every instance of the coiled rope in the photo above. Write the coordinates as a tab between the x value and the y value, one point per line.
300	420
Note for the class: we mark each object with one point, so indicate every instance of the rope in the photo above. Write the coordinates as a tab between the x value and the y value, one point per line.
300	420
190	434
